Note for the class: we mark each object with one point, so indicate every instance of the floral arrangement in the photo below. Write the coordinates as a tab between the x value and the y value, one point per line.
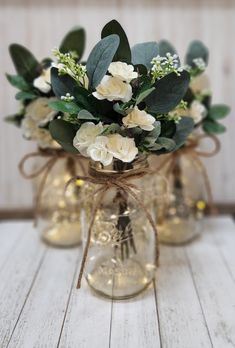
119	104
198	98
33	80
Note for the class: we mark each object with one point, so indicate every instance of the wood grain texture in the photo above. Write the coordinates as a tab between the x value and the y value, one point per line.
192	305
40	26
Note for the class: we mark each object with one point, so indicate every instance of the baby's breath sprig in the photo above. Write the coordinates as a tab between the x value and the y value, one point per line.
198	67
67	65
67	97
163	66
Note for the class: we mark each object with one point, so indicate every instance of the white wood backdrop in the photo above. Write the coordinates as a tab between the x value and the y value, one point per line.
40	24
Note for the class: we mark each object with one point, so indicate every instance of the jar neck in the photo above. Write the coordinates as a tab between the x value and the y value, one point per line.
118	166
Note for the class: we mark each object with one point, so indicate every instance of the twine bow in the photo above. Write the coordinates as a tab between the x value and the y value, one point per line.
52	156
106	182
190	150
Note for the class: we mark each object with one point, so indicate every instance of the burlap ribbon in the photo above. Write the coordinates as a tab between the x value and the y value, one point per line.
106	182
51	156
191	151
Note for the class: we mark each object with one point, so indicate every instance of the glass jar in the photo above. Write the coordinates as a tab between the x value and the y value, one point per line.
180	212
58	212
121	258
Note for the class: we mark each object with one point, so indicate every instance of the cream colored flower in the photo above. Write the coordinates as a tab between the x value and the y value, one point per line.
37	115
123	71
86	136
98	151
200	84
32	132
39	111
112	88
43	82
122	148
139	118
197	111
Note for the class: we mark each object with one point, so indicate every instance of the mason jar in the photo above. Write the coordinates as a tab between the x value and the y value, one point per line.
121	260
58	210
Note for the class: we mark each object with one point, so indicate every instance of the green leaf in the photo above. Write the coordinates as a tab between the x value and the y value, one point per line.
64	106
85	99
218	111
63	132
170	90
119	109
18	82
62	84
211	127
166	47
86	115
74	41
183	129
111	129
156	131
123	53
166	143
143	53
100	58
197	50
24	61
144	95
14	119
168	128
25	96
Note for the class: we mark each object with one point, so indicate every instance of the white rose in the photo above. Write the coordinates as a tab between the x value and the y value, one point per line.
98	151
122	148
123	71
39	111
197	111
139	118
200	84
112	88
86	136
43	82
31	131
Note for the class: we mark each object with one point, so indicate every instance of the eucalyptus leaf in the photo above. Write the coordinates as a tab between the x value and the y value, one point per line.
183	129
86	115
74	41
25	96
166	47
118	108
111	129
85	99
62	84
144	95
14	119
156	131
218	111
123	52
196	50
100	58
18	82
63	132
24	61
166	143
170	90
64	106
213	127
143	53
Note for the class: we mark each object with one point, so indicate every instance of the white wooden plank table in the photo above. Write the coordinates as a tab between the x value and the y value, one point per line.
191	305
